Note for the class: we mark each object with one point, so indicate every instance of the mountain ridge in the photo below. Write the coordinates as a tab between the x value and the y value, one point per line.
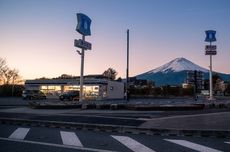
175	72
177	65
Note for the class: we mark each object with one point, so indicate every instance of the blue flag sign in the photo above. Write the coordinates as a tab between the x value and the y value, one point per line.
210	36
83	25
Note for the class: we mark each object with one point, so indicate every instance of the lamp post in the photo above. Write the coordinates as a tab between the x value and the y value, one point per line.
83	27
210	50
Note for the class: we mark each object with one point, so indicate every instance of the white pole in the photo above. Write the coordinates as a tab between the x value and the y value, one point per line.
127	69
210	79
82	72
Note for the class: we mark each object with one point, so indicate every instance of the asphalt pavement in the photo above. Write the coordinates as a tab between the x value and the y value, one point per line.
15	138
199	120
209	121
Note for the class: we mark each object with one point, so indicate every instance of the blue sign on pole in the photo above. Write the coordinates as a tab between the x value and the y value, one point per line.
83	25
210	36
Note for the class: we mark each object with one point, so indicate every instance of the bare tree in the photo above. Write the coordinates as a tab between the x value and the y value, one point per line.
110	73
2	63
7	75
10	76
3	69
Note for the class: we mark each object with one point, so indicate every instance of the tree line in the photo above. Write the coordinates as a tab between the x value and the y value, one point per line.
9	80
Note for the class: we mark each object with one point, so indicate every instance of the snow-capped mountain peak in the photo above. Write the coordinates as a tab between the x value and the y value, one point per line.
175	73
177	65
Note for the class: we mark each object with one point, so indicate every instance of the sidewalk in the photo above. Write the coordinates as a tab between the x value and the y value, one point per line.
211	121
12	101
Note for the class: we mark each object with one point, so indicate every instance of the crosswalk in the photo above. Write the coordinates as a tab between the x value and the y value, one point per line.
132	144
71	140
193	146
19	133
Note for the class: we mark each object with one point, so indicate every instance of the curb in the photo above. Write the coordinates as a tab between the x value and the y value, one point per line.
137	107
217	106
166	107
117	128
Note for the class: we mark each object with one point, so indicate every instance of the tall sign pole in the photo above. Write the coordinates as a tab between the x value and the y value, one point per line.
210	50
83	27
82	71
127	69
210	77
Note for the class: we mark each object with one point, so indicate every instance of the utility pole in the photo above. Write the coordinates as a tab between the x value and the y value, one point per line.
127	69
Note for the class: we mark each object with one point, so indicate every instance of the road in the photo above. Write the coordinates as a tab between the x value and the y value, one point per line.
39	139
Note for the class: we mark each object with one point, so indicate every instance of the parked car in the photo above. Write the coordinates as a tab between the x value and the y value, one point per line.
33	94
70	95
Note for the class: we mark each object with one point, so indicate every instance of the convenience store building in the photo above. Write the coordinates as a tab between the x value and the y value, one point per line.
94	88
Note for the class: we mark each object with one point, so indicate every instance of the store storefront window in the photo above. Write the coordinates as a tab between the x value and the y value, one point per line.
90	91
51	91
71	87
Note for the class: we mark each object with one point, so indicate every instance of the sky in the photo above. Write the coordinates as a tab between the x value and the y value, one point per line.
37	36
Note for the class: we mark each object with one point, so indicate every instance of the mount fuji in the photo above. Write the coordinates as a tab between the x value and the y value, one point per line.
175	72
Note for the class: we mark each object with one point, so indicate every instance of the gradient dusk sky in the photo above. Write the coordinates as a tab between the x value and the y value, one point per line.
36	36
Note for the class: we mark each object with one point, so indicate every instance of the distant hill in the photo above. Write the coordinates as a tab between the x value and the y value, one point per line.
175	72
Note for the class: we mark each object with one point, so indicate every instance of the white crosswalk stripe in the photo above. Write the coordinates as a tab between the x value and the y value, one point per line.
193	146
55	145
70	138
19	133
132	144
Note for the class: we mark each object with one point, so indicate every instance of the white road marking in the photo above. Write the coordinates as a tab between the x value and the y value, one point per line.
55	145
227	142
70	138
19	133
193	146
132	144
144	119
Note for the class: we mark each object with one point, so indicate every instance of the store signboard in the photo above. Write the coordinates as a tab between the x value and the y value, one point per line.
83	25
83	44
210	36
